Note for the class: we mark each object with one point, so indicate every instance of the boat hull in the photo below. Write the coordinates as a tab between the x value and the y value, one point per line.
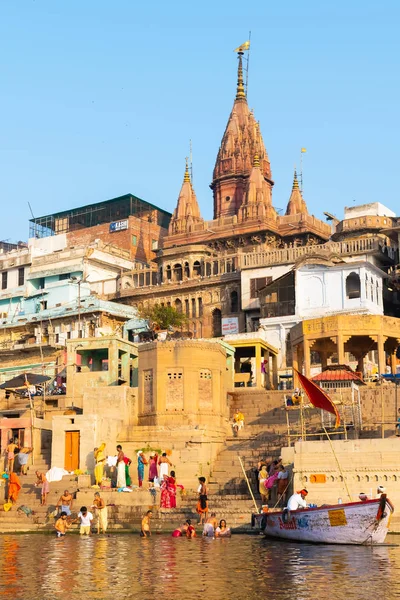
353	523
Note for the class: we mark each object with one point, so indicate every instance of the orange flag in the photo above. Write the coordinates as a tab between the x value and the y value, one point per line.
318	397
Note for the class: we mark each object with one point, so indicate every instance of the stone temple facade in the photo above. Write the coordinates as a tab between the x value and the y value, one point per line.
198	268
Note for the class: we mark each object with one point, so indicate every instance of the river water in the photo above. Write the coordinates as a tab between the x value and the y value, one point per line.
122	567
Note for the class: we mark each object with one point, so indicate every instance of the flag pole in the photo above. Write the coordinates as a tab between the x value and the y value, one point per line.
338	464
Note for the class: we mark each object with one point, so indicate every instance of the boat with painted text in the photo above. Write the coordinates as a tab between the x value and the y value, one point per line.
365	522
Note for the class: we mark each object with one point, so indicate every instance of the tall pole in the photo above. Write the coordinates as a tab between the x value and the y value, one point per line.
79	306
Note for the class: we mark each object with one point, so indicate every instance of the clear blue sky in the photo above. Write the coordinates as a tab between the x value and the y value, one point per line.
100	98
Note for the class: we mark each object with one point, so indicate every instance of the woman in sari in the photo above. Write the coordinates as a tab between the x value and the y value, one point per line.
100	458
14	487
140	466
128	479
168	491
121	480
102	513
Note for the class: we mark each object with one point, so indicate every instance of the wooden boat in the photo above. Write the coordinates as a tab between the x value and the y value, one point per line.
353	523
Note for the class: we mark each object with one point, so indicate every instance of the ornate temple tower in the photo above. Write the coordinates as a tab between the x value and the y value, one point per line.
296	204
241	141
187	212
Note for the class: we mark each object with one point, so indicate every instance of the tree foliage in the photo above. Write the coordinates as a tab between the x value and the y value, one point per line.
163	317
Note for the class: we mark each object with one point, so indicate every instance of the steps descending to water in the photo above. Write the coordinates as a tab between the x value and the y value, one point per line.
261	438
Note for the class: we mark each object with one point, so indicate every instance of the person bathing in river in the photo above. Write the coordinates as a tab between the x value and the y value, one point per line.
62	525
190	530
210	526
222	530
145	531
297	500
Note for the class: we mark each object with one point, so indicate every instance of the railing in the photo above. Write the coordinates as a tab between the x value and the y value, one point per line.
291	255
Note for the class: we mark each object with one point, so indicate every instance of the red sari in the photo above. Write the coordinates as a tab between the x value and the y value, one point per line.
168	493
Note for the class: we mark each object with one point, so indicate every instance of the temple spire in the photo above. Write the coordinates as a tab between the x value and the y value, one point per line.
296	204
240	93
186	177
187	213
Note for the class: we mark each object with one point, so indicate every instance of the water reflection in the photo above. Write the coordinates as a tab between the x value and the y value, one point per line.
127	566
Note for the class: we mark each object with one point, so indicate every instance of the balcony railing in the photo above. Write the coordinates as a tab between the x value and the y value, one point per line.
291	255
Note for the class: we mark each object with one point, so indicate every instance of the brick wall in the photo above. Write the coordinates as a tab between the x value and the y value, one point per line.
138	238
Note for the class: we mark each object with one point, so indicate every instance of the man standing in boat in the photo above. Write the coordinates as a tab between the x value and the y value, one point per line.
297	500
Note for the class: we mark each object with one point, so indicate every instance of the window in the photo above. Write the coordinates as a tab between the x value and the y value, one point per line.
278	298
216	323
21	276
234	302
41	283
4	277
64	276
196	268
154	244
43	305
257	284
134	240
353	286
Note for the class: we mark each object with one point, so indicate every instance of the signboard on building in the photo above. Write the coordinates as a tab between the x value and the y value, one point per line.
118	226
230	325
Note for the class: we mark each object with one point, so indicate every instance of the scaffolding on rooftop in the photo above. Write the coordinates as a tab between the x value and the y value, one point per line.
108	211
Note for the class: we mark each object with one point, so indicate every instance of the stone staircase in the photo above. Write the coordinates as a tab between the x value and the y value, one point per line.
262	438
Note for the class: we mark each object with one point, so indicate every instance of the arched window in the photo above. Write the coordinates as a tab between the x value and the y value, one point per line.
187	308
178	272
178	305
216	323
215	267
187	270
208	269
168	271
234	302
193	307
196	268
200	306
353	286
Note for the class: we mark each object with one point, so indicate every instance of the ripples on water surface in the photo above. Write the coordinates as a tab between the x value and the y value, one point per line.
244	567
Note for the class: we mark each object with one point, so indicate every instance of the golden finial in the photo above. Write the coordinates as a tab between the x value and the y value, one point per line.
256	160
295	181
240	93
186	176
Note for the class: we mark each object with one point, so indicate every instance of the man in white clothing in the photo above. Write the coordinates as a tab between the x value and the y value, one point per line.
297	500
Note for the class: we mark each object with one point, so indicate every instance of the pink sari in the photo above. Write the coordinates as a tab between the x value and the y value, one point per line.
168	493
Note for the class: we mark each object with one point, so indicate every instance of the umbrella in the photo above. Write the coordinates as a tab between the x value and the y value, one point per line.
24	380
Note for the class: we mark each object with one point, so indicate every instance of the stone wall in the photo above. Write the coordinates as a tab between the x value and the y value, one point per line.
364	464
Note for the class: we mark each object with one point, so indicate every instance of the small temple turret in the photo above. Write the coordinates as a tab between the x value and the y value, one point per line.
187	212
296	204
257	203
241	141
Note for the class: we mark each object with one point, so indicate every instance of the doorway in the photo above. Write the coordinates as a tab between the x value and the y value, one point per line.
19	436
72	443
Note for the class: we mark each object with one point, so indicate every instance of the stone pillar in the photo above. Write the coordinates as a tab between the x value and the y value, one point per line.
258	366
274	371
381	354
340	349
360	363
295	362
324	360
307	358
393	363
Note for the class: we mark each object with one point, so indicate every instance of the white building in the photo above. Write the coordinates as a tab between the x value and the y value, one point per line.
315	288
